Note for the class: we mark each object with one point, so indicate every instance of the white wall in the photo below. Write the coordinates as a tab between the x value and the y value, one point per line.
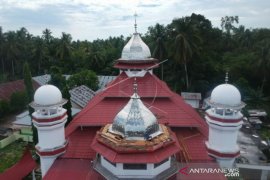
127	173
45	164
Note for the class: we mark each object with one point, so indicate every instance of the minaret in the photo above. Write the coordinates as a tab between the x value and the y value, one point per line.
224	119
49	118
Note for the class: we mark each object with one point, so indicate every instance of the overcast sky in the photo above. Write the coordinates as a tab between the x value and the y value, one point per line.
88	19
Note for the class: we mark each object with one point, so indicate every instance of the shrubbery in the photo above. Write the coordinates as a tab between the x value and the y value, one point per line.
18	102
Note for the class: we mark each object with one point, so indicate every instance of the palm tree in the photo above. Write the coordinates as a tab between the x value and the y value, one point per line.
1	50
183	53
12	49
64	47
159	50
47	36
243	36
187	41
264	61
39	53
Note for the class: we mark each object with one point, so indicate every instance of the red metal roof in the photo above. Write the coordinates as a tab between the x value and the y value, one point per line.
168	106
70	169
190	129
194	143
7	89
21	168
79	143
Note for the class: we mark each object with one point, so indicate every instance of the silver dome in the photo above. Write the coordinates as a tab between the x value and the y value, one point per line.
136	49
135	121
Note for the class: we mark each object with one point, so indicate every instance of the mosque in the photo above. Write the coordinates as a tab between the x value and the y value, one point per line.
136	128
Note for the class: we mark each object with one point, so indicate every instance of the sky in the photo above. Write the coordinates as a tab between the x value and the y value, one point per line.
93	19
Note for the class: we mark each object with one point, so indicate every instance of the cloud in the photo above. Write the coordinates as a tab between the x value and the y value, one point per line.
89	19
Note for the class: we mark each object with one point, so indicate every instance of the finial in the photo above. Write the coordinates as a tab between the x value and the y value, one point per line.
226	77
135	86
135	25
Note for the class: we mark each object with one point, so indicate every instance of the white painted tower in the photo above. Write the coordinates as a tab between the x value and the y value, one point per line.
224	119
49	118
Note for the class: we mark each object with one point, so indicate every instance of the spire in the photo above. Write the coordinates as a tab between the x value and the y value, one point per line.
135	90
135	86
226	77
135	25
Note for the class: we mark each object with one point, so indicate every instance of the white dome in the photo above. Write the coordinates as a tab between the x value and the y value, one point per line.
226	94
136	49
47	95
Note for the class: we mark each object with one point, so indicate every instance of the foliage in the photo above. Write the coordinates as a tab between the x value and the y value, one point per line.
68	105
28	82
85	77
11	154
4	108
198	55
58	80
18	101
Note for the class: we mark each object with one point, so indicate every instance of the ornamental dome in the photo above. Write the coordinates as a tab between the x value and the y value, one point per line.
136	49
135	121
226	95
47	95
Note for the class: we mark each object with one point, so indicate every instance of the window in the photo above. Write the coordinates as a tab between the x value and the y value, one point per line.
158	164
219	111
135	166
109	162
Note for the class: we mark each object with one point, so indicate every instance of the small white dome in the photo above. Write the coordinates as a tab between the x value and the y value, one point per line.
226	94
47	95
136	49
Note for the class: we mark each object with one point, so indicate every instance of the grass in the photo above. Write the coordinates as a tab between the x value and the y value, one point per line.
11	154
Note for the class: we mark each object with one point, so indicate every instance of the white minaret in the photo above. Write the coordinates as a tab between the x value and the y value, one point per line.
49	118
224	119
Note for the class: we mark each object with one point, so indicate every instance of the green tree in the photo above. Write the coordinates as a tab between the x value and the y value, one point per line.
1	50
30	95
85	77
18	101
28	82
12	49
158	32
68	105
4	108
187	41
227	23
264	61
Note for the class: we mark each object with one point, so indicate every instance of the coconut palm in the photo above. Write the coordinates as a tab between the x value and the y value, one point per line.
12	49
186	42
1	50
264	61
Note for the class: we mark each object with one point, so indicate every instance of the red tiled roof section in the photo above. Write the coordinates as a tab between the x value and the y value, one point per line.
79	143
21	168
192	141
70	169
148	86
168	106
7	89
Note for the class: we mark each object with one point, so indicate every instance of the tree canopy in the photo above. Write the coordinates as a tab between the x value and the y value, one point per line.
198	55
